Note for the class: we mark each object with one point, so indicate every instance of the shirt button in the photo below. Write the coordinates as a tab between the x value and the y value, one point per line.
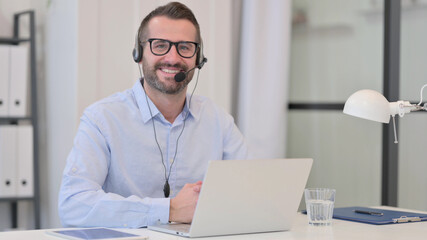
171	160
74	169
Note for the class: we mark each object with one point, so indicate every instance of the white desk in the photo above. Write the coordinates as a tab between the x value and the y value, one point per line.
301	230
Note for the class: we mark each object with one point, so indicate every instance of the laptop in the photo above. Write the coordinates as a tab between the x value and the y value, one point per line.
246	196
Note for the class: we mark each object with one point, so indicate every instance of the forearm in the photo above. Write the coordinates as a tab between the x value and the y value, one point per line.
97	208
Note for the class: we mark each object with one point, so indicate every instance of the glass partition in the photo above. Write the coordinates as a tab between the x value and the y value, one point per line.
346	153
336	49
412	191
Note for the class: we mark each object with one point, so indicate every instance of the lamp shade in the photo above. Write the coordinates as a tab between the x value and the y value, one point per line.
368	104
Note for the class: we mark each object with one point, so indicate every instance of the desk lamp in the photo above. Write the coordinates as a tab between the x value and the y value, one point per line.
372	105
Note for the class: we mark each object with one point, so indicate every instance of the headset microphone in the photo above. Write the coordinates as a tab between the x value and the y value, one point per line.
179	77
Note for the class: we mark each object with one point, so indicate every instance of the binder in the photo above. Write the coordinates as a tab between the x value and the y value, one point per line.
377	216
7	161
18	81
24	156
4	80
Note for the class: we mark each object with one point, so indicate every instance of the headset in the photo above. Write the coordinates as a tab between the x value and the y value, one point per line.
137	52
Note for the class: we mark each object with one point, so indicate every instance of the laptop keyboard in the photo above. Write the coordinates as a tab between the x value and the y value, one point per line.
179	227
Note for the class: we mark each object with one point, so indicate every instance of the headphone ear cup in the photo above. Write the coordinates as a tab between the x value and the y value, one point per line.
137	49
200	56
137	53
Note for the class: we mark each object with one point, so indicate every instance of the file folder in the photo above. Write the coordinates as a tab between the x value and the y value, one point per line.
4	80
377	216
7	161
24	153
18	81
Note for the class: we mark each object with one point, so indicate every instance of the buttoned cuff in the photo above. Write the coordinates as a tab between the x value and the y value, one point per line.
159	211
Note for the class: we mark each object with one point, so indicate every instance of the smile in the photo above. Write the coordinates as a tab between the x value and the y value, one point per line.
170	71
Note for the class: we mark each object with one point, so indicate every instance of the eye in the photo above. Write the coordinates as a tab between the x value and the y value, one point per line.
160	45
186	47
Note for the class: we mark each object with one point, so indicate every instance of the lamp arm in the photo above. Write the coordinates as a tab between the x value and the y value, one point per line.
401	108
419	107
419	104
404	107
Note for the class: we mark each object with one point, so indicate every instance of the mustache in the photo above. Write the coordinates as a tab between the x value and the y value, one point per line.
177	65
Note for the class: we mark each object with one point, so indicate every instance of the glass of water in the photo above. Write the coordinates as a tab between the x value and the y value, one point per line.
320	205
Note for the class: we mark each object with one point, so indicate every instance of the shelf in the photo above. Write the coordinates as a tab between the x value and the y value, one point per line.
8	119
13	41
16	40
13	199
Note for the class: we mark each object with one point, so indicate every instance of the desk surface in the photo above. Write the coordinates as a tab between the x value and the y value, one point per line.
301	230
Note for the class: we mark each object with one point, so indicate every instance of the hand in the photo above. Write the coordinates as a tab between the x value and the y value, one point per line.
182	207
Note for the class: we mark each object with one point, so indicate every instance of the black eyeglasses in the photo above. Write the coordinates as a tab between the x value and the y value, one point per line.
160	47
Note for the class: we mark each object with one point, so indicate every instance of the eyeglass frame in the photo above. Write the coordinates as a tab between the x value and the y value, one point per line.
150	40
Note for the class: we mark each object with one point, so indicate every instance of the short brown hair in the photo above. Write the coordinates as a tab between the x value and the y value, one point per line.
172	10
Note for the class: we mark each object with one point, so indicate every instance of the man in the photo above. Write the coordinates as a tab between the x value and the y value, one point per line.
136	147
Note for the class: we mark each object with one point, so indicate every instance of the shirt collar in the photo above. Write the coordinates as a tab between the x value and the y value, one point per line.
141	101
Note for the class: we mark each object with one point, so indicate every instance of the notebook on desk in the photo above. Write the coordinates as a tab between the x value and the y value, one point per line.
377	216
246	196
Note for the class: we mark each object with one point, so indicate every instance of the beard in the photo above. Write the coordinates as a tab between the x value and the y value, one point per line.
152	79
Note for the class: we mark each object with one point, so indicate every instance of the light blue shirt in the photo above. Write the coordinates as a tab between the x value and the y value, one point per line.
114	174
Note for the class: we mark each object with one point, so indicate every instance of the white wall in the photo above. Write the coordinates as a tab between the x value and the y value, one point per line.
263	80
61	100
105	35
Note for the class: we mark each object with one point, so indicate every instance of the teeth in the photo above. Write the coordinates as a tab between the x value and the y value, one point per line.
170	71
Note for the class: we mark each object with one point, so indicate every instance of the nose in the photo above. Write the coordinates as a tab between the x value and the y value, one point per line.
173	55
